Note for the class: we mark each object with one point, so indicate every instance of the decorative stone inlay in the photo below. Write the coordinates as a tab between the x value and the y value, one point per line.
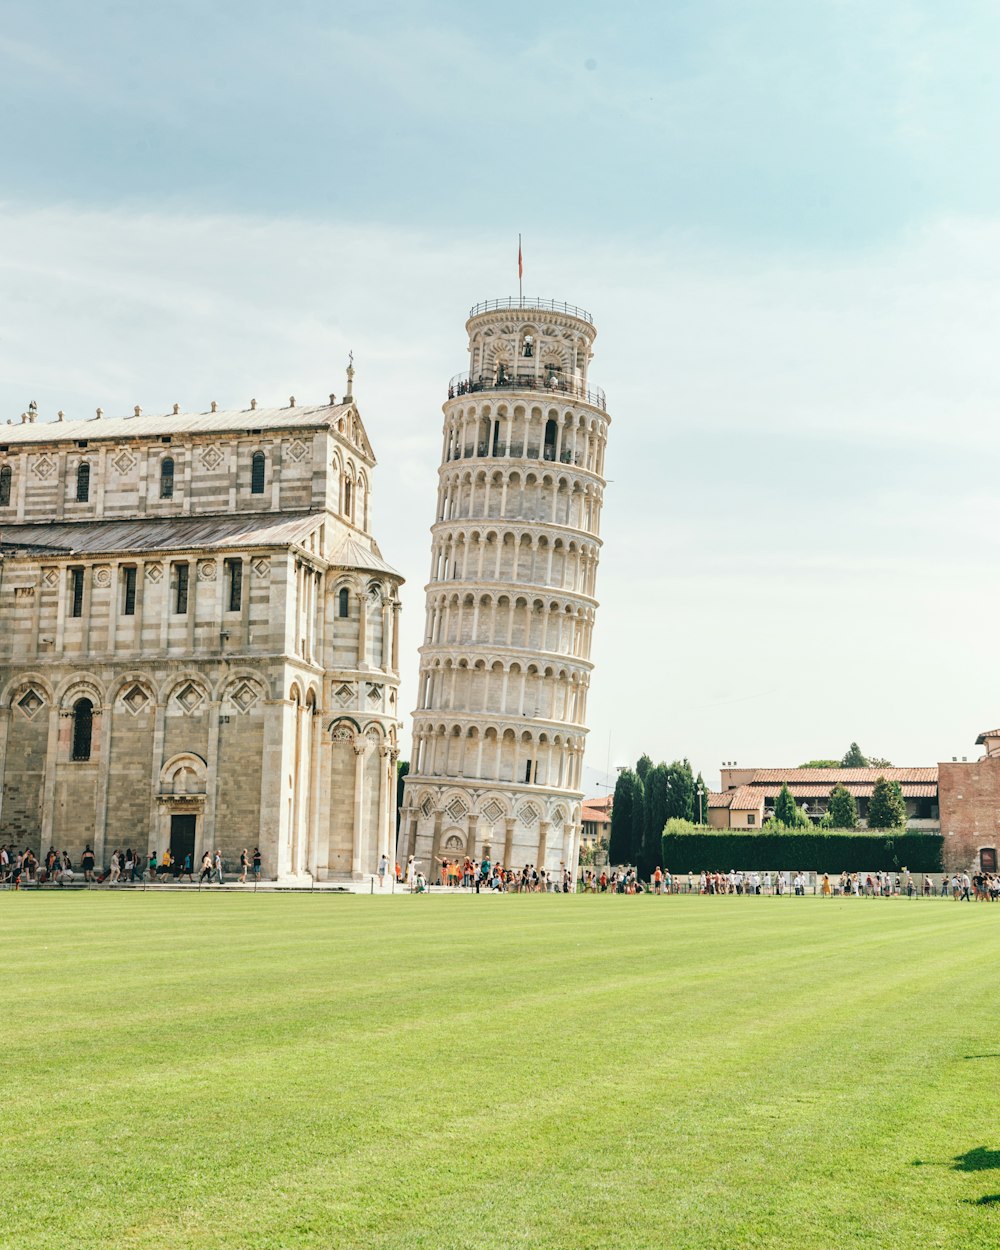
456	809
343	733
43	467
245	696
124	462
31	702
374	693
190	698
426	807
135	699
51	577
206	570
528	815
211	458
297	451
154	572
262	566
24	592
344	694
102	575
493	811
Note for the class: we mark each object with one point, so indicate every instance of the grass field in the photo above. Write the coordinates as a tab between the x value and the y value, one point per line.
222	1070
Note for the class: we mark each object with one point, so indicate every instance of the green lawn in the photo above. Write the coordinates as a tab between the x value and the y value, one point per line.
238	1071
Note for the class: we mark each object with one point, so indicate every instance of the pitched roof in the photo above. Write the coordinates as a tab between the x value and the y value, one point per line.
305	416
817	776
724	799
987	733
860	790
161	534
747	799
351	553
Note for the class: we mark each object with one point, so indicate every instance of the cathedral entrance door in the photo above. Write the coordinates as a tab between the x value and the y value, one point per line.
182	838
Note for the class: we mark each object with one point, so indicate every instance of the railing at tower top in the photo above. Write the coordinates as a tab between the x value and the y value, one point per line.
547	305
554	385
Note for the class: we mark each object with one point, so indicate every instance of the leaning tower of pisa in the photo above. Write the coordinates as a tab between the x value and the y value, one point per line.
499	730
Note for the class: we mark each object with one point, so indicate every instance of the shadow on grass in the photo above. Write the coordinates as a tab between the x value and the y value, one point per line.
987	1200
991	1055
978	1160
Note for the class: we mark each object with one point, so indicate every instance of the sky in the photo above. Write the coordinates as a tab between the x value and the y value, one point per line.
784	217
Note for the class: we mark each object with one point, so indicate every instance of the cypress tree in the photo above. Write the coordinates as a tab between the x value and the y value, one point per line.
638	822
843	810
656	802
620	844
886	807
786	809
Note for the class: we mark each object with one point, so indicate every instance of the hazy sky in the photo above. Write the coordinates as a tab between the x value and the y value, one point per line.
785	218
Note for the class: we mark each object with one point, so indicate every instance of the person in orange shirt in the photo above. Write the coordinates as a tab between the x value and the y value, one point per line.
657	880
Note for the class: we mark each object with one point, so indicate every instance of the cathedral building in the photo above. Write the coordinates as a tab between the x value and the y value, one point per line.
499	730
198	639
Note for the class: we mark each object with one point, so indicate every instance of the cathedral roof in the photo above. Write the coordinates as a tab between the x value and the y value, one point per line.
241	420
86	538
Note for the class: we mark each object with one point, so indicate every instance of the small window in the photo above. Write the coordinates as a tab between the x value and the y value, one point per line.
167	478
528	347
751	818
181	596
343	603
257	466
4	486
527	771
234	572
128	590
83	729
347	499
83	483
76	592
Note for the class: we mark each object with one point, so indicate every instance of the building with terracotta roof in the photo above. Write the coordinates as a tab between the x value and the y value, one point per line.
198	639
747	796
969	796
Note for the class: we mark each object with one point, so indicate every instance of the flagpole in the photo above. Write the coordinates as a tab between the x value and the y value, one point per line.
520	273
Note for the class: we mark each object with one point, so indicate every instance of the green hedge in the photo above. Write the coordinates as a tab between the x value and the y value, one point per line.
812	851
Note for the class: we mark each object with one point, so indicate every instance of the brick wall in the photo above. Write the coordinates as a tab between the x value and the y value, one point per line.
969	797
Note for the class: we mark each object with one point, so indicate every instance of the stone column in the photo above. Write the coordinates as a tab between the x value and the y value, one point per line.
103	773
508	845
470	841
543	839
360	748
5	714
49	780
212	780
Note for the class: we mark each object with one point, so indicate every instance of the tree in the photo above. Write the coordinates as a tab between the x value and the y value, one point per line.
886	807
820	764
853	758
638	822
656	795
843	810
644	767
622	810
680	799
786	809
876	761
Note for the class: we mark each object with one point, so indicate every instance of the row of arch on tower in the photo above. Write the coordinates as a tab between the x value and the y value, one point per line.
563	435
497	752
515	556
498	686
521	495
555	626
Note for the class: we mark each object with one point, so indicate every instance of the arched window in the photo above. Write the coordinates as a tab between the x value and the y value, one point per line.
83	483
4	486
343	603
347	499
257	465
167	478
83	728
551	430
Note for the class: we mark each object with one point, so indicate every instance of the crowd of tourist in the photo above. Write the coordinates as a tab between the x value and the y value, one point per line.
126	867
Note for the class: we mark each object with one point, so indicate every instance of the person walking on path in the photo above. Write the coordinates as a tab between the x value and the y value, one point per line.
206	868
244	865
116	870
256	864
383	871
966	887
218	866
